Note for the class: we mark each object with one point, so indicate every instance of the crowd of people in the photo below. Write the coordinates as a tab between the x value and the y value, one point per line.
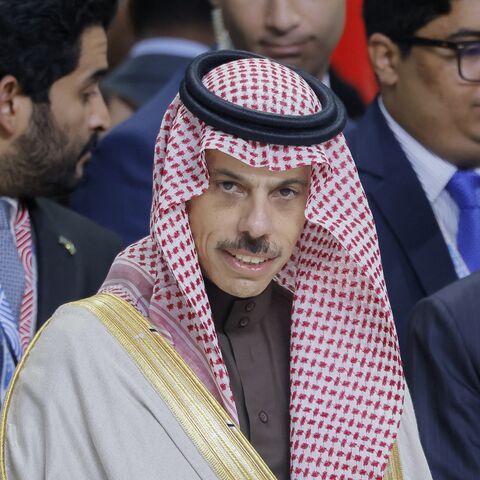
217	262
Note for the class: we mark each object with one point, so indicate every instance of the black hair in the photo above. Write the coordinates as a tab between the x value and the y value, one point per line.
40	39
401	18
155	14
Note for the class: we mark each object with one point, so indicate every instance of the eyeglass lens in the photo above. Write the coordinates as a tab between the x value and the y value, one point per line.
470	62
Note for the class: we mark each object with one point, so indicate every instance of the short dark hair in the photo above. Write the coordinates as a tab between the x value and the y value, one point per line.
40	39
153	14
401	18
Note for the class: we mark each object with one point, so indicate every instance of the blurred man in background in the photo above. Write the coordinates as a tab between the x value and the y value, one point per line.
169	35
51	112
418	147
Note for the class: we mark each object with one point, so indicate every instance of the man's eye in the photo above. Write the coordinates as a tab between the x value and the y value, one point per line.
87	95
90	92
227	186
287	193
472	51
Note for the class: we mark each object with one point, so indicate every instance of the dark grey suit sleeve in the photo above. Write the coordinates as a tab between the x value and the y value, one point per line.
444	378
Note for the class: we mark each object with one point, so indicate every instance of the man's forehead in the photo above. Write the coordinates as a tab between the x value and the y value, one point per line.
93	54
220	163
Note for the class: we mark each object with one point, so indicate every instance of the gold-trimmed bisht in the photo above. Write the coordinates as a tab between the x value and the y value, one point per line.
204	420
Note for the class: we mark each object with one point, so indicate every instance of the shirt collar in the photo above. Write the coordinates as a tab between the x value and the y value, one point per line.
179	47
228	311
432	171
14	205
326	80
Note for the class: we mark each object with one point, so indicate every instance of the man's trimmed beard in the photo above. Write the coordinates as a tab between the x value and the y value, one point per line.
44	159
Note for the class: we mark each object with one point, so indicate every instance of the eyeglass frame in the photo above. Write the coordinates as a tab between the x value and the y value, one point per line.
457	47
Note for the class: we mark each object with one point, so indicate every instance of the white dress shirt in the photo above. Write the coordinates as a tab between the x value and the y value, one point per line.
12	214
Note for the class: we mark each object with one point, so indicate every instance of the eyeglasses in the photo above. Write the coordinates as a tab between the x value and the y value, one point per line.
468	53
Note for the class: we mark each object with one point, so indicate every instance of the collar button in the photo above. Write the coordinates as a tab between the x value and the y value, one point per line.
243	322
249	306
263	416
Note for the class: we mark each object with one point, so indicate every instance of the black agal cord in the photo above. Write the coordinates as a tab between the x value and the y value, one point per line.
254	125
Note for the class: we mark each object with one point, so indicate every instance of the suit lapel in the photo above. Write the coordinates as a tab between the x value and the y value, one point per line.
55	266
399	196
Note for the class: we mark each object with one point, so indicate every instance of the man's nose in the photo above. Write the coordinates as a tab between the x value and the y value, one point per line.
282	15
256	219
99	119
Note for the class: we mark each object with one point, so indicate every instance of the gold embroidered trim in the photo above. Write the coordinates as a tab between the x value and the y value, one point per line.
394	468
204	420
8	396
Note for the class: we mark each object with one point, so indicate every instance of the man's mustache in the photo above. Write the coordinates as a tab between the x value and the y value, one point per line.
252	245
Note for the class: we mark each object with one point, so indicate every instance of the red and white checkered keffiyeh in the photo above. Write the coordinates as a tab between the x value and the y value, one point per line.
347	384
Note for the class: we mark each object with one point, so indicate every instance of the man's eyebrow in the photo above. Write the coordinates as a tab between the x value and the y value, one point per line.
227	173
464	32
283	184
95	76
293	181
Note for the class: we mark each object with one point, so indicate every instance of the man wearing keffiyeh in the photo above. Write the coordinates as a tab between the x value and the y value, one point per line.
249	336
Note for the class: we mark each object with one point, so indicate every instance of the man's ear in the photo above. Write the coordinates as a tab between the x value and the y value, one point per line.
385	57
12	104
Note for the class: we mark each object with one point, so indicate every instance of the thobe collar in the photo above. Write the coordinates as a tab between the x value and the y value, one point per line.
230	313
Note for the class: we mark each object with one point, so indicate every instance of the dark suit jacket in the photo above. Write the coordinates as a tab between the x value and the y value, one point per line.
63	277
138	79
415	258
444	378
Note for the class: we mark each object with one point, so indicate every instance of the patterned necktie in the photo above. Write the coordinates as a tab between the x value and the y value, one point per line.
464	187
12	277
12	283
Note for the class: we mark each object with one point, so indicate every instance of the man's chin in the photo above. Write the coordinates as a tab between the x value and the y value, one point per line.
242	288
